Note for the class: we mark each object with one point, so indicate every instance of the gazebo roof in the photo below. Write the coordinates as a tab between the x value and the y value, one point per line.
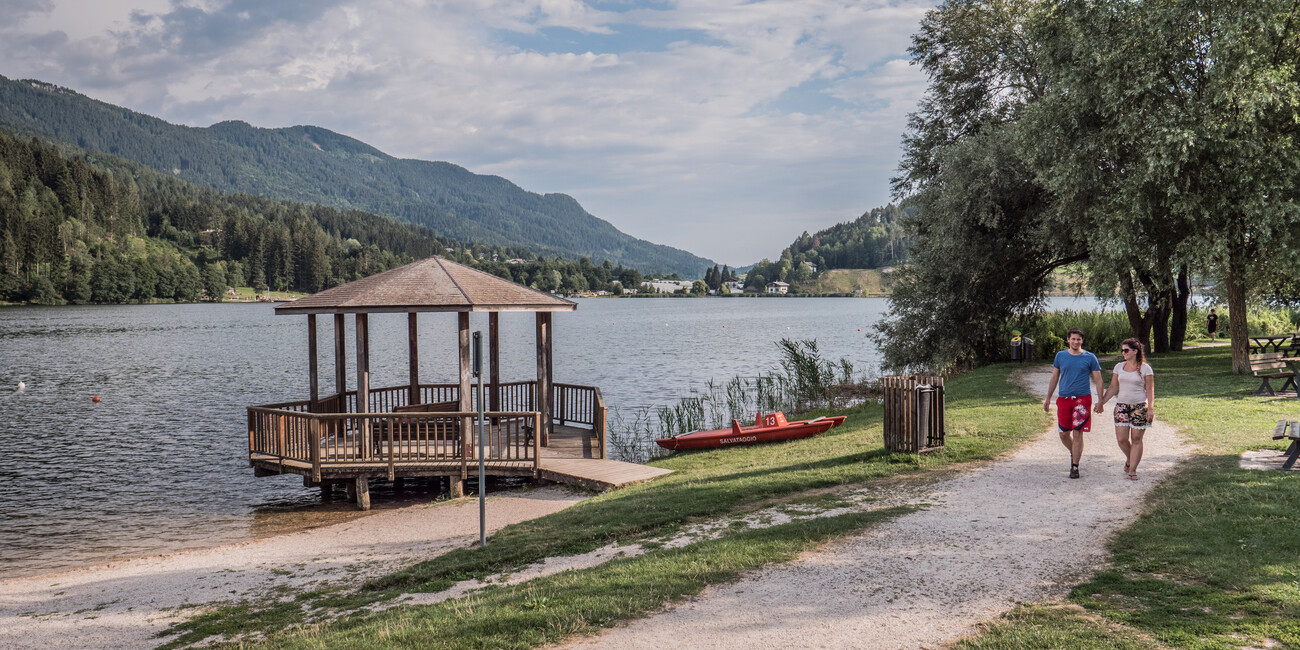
433	284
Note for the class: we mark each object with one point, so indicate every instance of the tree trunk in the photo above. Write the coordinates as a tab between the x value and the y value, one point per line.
1138	322
1159	311
1178	327
1236	282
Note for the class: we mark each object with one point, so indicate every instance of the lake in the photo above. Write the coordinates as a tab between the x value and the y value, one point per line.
80	481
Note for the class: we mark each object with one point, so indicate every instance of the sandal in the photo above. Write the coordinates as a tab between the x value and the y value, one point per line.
1126	468
1132	476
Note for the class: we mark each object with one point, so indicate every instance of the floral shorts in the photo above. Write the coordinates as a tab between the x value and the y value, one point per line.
1131	415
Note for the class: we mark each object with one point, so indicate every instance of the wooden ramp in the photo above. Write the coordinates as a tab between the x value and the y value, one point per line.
597	474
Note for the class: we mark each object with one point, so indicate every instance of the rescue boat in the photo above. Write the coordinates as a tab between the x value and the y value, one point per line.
771	427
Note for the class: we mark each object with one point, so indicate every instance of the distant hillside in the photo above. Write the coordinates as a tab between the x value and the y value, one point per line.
870	282
874	240
311	164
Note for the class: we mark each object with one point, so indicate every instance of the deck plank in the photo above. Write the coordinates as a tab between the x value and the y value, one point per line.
598	474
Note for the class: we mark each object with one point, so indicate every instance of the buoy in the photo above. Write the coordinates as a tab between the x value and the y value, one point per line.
95	399
22	386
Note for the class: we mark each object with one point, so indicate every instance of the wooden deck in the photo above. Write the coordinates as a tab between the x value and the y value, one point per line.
572	458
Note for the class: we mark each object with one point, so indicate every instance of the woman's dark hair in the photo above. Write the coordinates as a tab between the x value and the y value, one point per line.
1136	345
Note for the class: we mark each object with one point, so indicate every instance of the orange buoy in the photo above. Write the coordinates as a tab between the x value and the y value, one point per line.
95	399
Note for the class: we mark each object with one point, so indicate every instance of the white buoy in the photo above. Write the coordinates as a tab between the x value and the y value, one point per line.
22	386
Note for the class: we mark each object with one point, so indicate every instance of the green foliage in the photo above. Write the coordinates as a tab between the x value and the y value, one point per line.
873	240
314	165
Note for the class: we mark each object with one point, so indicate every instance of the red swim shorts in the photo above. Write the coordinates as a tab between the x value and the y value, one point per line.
1074	413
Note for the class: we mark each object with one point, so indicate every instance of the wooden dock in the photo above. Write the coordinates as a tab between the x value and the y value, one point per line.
597	473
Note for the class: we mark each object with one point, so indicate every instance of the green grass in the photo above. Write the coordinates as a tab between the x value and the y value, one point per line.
1214	560
986	416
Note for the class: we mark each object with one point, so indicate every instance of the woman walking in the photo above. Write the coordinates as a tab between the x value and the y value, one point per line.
1134	386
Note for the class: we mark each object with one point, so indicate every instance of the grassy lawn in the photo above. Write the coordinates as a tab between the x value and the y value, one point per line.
986	416
1214	560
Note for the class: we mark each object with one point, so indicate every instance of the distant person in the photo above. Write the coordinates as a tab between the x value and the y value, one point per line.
1071	369
1212	324
1133	385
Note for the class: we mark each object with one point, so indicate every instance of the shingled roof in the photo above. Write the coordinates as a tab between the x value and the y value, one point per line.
433	284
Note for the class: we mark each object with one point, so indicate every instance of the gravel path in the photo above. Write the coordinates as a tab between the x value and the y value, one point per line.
124	604
1016	530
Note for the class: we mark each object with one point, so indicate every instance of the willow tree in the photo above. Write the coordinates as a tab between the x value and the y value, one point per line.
1179	117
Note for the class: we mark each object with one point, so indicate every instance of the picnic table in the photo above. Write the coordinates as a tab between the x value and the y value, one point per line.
1270	343
1292	452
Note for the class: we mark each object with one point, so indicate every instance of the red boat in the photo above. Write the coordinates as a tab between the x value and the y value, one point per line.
767	428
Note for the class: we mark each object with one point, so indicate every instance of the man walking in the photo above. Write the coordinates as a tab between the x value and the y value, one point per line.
1074	405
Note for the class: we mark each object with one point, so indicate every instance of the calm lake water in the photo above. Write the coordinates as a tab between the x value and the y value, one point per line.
161	462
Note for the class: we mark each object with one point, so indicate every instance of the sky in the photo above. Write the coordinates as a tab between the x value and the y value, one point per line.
722	127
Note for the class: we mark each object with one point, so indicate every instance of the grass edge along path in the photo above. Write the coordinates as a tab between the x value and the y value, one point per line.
986	417
1213	561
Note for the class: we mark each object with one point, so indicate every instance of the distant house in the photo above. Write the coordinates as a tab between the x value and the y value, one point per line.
778	287
666	286
515	261
734	287
811	267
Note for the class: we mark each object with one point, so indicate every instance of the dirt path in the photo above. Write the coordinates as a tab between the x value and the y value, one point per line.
1016	530
124	604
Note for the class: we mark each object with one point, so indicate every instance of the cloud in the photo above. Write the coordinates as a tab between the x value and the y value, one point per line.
722	128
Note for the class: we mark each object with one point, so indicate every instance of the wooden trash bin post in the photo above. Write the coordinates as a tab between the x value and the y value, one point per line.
914	411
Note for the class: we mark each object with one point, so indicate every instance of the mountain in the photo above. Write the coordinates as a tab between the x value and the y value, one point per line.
315	165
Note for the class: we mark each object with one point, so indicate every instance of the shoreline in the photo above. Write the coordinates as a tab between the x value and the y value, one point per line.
126	603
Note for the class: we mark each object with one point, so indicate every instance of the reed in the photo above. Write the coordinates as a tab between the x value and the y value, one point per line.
802	381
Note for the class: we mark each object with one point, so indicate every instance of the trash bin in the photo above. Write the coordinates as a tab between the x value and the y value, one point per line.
913	413
924	399
1026	349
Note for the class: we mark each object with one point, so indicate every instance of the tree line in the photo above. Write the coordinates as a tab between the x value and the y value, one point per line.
1151	142
91	228
874	240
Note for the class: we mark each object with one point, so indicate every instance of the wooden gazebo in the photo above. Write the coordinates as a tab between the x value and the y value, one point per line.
419	429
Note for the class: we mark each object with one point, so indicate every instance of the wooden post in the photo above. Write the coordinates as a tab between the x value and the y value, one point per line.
465	391
545	366
340	363
456	486
413	357
363	380
363	492
494	361
312	370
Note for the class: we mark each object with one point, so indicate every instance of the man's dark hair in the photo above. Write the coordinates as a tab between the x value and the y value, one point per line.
1074	330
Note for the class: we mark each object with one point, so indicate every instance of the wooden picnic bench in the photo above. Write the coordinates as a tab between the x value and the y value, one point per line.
1272	365
1290	430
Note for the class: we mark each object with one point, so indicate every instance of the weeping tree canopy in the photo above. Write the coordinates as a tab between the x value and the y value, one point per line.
1152	139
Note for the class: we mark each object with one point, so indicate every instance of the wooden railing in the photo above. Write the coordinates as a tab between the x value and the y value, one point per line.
341	439
571	404
581	405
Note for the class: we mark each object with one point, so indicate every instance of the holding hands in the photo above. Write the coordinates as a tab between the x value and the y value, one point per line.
1099	407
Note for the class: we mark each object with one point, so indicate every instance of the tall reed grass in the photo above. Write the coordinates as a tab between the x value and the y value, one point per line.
1103	331
802	381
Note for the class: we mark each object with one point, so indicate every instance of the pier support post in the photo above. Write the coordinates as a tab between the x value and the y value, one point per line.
363	493
456	486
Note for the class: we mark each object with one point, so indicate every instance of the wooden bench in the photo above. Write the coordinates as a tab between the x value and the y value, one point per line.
1272	365
1290	430
422	431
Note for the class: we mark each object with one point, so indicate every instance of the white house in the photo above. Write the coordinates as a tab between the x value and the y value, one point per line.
778	287
734	287
666	286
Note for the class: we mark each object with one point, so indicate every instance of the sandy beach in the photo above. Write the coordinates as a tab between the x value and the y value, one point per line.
125	604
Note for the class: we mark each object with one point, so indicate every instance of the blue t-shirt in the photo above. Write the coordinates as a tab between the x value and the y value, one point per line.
1076	371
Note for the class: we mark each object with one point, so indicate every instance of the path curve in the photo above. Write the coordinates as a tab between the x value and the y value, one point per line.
1015	530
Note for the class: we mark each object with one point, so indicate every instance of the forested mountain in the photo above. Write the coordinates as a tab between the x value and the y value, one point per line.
315	165
89	227
873	240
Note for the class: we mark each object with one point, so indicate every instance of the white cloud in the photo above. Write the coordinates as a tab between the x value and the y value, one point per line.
684	143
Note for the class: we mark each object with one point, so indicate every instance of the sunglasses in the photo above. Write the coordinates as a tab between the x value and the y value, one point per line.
1126	349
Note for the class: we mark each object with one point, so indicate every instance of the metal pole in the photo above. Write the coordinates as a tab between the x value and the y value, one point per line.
482	474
